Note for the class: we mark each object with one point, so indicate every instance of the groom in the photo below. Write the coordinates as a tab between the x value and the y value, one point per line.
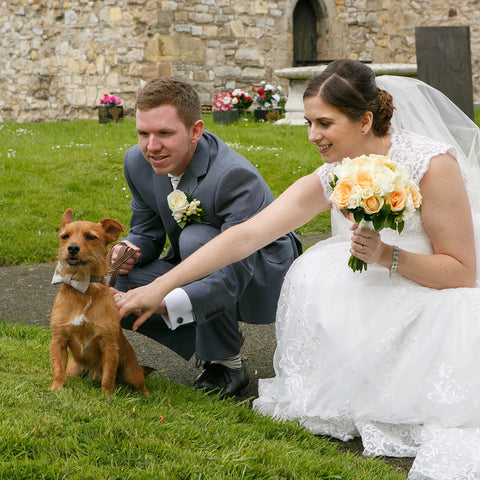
174	152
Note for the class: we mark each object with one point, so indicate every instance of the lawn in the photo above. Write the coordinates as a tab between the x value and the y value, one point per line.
176	433
47	167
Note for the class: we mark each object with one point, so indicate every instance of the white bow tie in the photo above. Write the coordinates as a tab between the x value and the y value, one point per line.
76	280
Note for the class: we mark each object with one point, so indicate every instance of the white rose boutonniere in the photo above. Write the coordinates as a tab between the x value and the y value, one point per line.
185	209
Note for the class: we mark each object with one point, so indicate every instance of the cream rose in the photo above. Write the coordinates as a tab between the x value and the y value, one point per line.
177	200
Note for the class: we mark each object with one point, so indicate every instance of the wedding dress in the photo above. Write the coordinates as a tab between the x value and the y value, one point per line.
378	356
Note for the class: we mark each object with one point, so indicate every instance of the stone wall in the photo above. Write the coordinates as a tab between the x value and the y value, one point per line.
58	57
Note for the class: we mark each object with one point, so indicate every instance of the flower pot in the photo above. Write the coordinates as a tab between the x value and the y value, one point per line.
244	113
267	114
230	116
110	113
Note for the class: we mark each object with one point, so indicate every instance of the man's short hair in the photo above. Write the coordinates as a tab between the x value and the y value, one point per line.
172	91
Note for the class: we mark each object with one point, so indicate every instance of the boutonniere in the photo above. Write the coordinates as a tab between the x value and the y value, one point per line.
185	209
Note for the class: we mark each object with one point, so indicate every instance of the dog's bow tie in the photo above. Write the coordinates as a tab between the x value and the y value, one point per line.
76	280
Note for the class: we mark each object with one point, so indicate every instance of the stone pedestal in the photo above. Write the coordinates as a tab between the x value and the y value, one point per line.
299	77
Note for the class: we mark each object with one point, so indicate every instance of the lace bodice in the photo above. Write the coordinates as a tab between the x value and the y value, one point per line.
411	150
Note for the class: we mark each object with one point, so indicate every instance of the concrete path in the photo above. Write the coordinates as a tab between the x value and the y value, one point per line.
27	296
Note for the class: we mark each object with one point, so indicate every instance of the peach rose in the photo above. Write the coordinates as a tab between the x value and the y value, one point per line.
364	179
380	160
415	194
373	204
342	192
397	199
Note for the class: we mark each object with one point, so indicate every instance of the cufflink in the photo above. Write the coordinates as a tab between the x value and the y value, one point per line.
180	320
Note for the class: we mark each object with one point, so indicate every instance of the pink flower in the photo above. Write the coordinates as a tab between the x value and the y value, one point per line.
223	102
110	100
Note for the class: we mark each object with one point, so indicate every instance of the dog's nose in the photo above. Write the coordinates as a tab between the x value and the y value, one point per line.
73	249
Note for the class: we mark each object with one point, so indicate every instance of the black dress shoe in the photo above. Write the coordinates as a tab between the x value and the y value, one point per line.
217	378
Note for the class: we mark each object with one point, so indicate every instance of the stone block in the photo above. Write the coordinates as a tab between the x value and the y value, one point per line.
444	62
260	7
237	28
148	72
115	14
165	48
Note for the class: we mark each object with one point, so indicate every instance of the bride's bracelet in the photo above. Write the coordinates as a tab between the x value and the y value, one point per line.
393	267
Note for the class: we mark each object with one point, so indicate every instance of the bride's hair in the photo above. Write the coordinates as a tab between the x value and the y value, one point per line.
350	87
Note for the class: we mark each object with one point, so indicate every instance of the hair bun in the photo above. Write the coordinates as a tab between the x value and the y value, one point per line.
384	113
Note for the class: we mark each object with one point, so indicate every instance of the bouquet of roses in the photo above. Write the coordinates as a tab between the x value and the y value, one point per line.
223	102
378	191
268	96
185	209
241	100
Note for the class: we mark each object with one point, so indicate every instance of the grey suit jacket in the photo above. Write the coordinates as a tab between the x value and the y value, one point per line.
230	190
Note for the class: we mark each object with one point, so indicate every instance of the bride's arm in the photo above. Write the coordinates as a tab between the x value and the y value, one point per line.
295	207
447	220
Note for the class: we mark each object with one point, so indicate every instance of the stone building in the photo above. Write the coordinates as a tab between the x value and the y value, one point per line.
58	57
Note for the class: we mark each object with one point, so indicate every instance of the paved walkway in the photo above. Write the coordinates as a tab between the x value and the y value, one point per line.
27	296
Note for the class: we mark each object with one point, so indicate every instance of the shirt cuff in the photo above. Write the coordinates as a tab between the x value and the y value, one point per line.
179	309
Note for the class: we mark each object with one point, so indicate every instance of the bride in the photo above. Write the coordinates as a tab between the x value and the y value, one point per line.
389	354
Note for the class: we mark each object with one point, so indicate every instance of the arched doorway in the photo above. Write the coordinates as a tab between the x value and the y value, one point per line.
305	34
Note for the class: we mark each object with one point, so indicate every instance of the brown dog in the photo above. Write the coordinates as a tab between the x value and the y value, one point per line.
84	318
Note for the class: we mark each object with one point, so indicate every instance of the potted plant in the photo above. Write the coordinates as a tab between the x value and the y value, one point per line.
241	100
270	101
223	109
110	109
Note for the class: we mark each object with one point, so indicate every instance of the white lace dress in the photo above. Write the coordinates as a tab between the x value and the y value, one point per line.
378	356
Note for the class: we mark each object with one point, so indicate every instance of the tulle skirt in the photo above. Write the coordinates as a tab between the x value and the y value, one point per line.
378	356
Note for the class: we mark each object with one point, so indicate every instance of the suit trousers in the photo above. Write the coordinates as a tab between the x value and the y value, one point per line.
217	338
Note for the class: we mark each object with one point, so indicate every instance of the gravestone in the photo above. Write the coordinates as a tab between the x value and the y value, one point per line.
444	62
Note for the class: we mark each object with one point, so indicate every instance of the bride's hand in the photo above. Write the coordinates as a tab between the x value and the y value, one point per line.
142	302
366	244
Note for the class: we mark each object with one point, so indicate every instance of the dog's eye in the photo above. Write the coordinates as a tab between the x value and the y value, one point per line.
65	236
90	237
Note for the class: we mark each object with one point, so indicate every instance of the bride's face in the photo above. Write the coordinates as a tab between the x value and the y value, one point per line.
334	134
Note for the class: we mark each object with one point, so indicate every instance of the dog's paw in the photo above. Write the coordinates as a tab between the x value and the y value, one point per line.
56	385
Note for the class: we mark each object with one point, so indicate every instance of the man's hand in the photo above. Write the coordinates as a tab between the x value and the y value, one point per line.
128	265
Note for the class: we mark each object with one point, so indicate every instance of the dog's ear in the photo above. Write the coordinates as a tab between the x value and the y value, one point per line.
112	228
67	217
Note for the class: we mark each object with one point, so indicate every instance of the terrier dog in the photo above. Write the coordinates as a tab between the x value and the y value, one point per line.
84	318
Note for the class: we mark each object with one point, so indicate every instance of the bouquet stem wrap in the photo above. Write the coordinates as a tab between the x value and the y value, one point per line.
355	263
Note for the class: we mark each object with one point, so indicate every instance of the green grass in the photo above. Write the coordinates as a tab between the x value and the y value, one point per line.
47	167
176	433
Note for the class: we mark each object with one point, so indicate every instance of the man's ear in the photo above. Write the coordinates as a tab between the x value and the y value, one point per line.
197	131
